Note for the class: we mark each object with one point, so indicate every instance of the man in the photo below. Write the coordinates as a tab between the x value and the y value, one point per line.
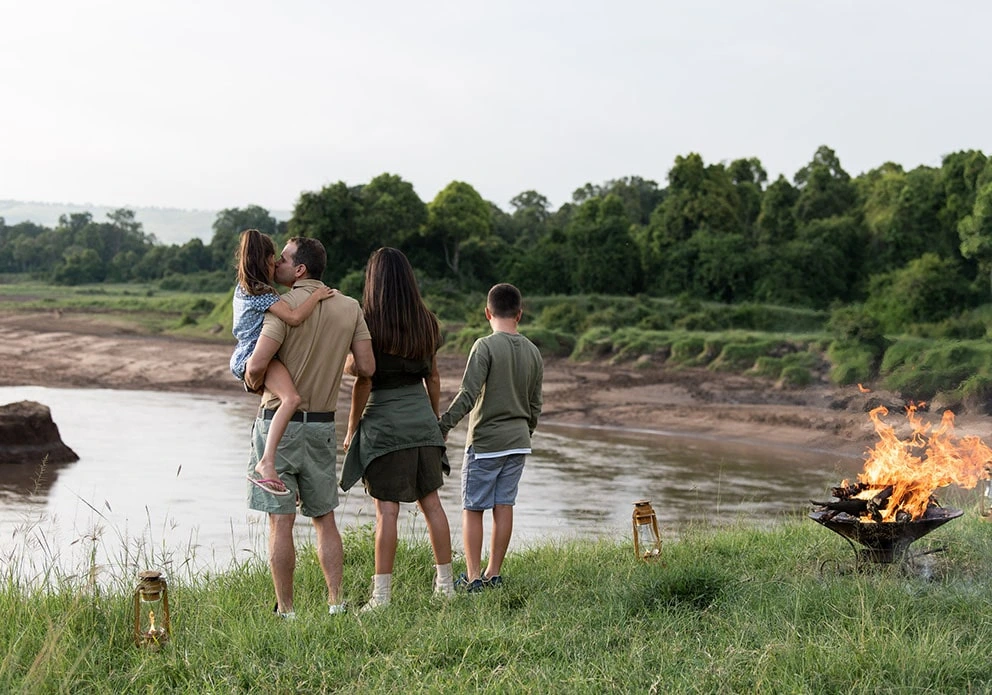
314	353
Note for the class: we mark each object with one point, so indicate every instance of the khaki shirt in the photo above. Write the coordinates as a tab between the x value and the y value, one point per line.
315	351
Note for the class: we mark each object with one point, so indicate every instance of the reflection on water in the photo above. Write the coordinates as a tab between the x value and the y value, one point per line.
161	476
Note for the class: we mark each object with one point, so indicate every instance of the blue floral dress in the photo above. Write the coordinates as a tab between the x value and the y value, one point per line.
249	312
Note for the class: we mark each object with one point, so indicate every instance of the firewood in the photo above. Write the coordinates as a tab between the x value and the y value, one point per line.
854	506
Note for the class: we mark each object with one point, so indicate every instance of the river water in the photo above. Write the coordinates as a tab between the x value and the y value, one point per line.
161	482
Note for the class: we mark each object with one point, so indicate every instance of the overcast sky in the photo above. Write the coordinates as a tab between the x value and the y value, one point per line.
203	104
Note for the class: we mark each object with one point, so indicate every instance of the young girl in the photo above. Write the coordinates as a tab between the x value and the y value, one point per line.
253	296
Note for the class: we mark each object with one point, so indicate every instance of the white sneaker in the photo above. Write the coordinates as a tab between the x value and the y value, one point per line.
337	609
446	590
373	604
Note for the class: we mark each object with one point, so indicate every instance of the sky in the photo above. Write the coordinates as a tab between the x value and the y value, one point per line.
210	104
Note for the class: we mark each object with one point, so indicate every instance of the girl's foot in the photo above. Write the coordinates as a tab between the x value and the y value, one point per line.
273	486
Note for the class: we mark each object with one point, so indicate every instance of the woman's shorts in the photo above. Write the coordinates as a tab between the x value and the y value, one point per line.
406	475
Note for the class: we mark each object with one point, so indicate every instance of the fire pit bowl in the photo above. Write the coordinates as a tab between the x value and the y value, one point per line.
884	541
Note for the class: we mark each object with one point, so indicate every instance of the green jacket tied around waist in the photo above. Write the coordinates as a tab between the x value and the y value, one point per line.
394	419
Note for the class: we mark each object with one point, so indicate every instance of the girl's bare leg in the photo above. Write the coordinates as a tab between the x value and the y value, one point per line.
437	527
279	382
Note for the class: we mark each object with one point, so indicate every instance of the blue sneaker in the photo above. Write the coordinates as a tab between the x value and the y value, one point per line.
471	587
493	582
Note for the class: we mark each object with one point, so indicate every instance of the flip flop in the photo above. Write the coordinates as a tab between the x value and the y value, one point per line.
270	486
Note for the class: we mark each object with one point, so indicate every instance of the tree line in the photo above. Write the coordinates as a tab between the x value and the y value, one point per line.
915	245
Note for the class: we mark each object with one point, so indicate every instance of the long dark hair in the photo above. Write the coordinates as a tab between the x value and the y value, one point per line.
400	322
252	258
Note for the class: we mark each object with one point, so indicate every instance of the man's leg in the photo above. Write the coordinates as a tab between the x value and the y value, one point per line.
500	541
330	554
282	559
472	539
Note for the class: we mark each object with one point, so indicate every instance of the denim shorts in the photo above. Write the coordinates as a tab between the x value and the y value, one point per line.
490	481
306	462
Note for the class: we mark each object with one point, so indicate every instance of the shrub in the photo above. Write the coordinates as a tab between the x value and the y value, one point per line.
740	356
976	392
463	340
596	342
550	343
204	281
687	349
567	317
795	376
631	343
941	368
852	362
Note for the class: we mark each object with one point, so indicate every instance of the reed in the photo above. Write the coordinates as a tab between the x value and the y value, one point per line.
735	609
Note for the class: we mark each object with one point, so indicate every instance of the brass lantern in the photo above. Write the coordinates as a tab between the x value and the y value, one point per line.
151	610
647	540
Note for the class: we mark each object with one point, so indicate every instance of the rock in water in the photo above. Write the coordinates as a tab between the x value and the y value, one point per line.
28	435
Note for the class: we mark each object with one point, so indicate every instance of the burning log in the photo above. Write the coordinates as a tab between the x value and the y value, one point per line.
854	507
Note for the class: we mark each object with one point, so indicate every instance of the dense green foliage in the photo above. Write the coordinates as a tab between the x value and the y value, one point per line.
911	247
730	610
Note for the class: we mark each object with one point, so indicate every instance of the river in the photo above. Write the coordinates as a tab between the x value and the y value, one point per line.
161	481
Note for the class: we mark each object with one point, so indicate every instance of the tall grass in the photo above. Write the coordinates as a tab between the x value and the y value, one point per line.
732	610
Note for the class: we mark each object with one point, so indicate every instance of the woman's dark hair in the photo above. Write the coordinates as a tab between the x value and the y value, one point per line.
252	259
400	322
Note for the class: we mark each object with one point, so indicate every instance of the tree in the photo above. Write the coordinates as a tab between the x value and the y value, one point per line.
391	212
975	231
698	196
900	212
457	214
79	265
959	174
825	189
722	268
749	177
531	212
332	216
228	226
604	255
777	220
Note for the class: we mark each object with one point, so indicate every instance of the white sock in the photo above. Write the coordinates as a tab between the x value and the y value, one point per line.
443	573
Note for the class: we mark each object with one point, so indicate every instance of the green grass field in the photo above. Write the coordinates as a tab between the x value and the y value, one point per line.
736	610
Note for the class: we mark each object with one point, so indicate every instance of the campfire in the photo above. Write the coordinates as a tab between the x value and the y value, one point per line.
892	503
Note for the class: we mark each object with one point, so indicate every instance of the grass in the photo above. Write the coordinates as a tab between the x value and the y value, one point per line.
136	307
728	610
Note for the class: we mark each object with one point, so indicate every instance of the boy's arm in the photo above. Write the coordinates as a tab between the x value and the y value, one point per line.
536	401
295	316
476	371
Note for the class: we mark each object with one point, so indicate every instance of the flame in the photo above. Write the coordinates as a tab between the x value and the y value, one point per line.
863	389
929	459
151	619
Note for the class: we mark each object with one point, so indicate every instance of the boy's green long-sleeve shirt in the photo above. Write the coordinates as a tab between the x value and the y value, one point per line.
502	389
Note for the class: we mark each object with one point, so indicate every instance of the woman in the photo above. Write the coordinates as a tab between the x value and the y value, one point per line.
393	441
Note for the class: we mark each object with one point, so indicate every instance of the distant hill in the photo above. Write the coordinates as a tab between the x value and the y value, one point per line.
169	225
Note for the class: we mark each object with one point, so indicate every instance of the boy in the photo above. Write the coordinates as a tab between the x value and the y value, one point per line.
502	388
